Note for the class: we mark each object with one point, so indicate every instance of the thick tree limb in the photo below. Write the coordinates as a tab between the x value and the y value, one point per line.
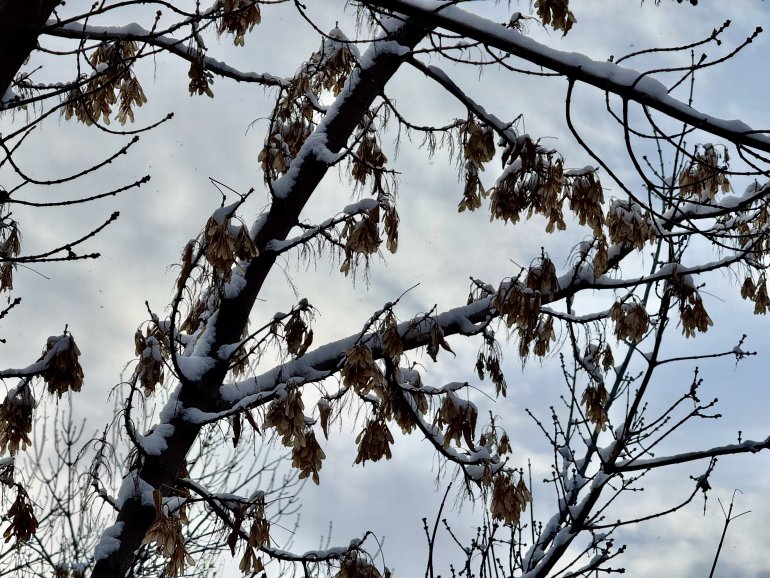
624	82
20	25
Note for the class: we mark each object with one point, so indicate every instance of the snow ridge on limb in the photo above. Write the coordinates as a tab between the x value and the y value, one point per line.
625	82
376	68
175	46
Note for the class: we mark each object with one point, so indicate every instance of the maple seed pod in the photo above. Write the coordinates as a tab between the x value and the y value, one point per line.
21	515
238	17
374	442
360	371
308	457
166	532
286	416
595	399
63	371
509	500
16	413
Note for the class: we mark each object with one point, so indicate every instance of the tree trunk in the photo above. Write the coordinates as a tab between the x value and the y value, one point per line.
20	25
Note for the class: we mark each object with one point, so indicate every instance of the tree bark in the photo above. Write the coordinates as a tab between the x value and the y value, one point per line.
20	24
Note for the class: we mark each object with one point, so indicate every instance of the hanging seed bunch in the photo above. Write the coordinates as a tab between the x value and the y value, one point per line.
556	13
166	533
509	499
705	175
360	370
293	116
631	321
354	566
478	148
595	399
532	181
112	83
227	239
152	356
296	329
285	414
374	442
21	517
627	225
259	534
361	237
307	456
692	313
601	257
586	198
201	79
63	371
237	18
334	62
756	293
16	414
489	361
10	246
458	418
595	357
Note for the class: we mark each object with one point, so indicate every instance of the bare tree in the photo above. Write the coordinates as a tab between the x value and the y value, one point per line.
226	368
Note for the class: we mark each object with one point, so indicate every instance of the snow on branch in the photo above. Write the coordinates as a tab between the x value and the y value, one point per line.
627	83
175	46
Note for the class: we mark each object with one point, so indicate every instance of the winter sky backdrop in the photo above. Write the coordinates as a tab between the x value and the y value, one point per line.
103	301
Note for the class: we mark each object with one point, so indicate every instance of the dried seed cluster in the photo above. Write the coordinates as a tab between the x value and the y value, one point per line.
354	566
166	533
226	241
556	13
9	248
307	456
16	413
628	225
63	371
458	418
756	293
595	399
374	442
112	83
238	17
151	355
705	175
286	415
631	321
509	499
360	370
21	516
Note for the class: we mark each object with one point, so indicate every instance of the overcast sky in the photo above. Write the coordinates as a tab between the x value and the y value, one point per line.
103	301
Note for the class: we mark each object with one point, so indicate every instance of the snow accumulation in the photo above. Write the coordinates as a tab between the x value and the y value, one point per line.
195	366
135	487
155	442
110	542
